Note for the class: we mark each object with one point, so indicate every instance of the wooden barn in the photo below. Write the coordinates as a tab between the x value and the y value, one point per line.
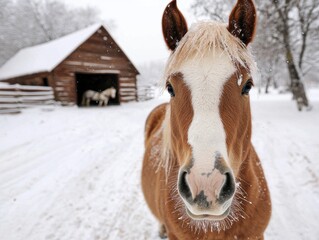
86	59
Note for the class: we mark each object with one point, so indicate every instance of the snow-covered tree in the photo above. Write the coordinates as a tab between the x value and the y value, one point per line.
27	23
294	23
288	35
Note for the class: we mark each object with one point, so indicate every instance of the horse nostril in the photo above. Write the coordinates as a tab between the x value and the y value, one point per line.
228	188
183	186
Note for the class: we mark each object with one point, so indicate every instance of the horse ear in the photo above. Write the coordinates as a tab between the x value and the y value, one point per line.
174	25
242	21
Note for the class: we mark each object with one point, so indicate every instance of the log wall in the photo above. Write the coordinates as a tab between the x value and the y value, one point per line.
31	80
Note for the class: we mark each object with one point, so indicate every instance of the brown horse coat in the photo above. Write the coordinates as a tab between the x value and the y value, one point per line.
201	176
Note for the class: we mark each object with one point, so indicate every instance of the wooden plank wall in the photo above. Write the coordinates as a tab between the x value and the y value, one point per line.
31	80
99	54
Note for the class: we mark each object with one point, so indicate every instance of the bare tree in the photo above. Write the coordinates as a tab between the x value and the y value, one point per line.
294	21
27	23
53	15
288	30
213	9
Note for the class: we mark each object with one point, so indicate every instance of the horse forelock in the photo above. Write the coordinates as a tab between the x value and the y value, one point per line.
210	36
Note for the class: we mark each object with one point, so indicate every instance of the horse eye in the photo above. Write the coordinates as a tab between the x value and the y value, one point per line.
170	90
248	85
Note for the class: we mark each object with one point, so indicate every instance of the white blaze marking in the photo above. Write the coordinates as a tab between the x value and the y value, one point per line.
205	78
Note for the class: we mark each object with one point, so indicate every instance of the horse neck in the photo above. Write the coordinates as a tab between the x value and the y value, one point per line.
251	174
105	92
250	159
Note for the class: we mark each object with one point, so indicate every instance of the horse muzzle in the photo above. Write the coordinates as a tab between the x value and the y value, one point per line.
207	195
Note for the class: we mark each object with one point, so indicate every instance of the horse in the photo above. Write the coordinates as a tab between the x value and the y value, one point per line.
201	176
102	97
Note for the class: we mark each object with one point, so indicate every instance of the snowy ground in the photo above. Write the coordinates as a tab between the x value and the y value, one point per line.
74	174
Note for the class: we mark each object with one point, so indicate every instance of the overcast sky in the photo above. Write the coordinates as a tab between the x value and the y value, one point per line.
138	25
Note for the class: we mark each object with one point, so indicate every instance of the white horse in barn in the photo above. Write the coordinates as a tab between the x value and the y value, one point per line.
102	97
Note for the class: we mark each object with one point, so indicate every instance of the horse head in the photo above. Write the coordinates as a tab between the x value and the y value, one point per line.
209	75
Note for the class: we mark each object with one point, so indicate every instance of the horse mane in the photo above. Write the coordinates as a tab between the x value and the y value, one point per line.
202	37
166	157
207	36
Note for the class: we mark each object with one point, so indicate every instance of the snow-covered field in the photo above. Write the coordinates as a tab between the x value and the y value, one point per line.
74	174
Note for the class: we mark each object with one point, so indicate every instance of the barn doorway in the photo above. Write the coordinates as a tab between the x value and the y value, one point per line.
98	83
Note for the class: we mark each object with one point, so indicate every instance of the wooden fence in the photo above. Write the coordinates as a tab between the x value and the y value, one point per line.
145	93
13	98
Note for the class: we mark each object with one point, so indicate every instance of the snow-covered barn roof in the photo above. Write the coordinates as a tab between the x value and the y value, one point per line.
45	57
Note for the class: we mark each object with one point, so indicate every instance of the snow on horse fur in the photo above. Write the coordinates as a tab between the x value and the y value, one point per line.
102	97
201	176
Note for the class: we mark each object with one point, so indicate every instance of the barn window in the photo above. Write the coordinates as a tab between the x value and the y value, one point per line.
45	81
